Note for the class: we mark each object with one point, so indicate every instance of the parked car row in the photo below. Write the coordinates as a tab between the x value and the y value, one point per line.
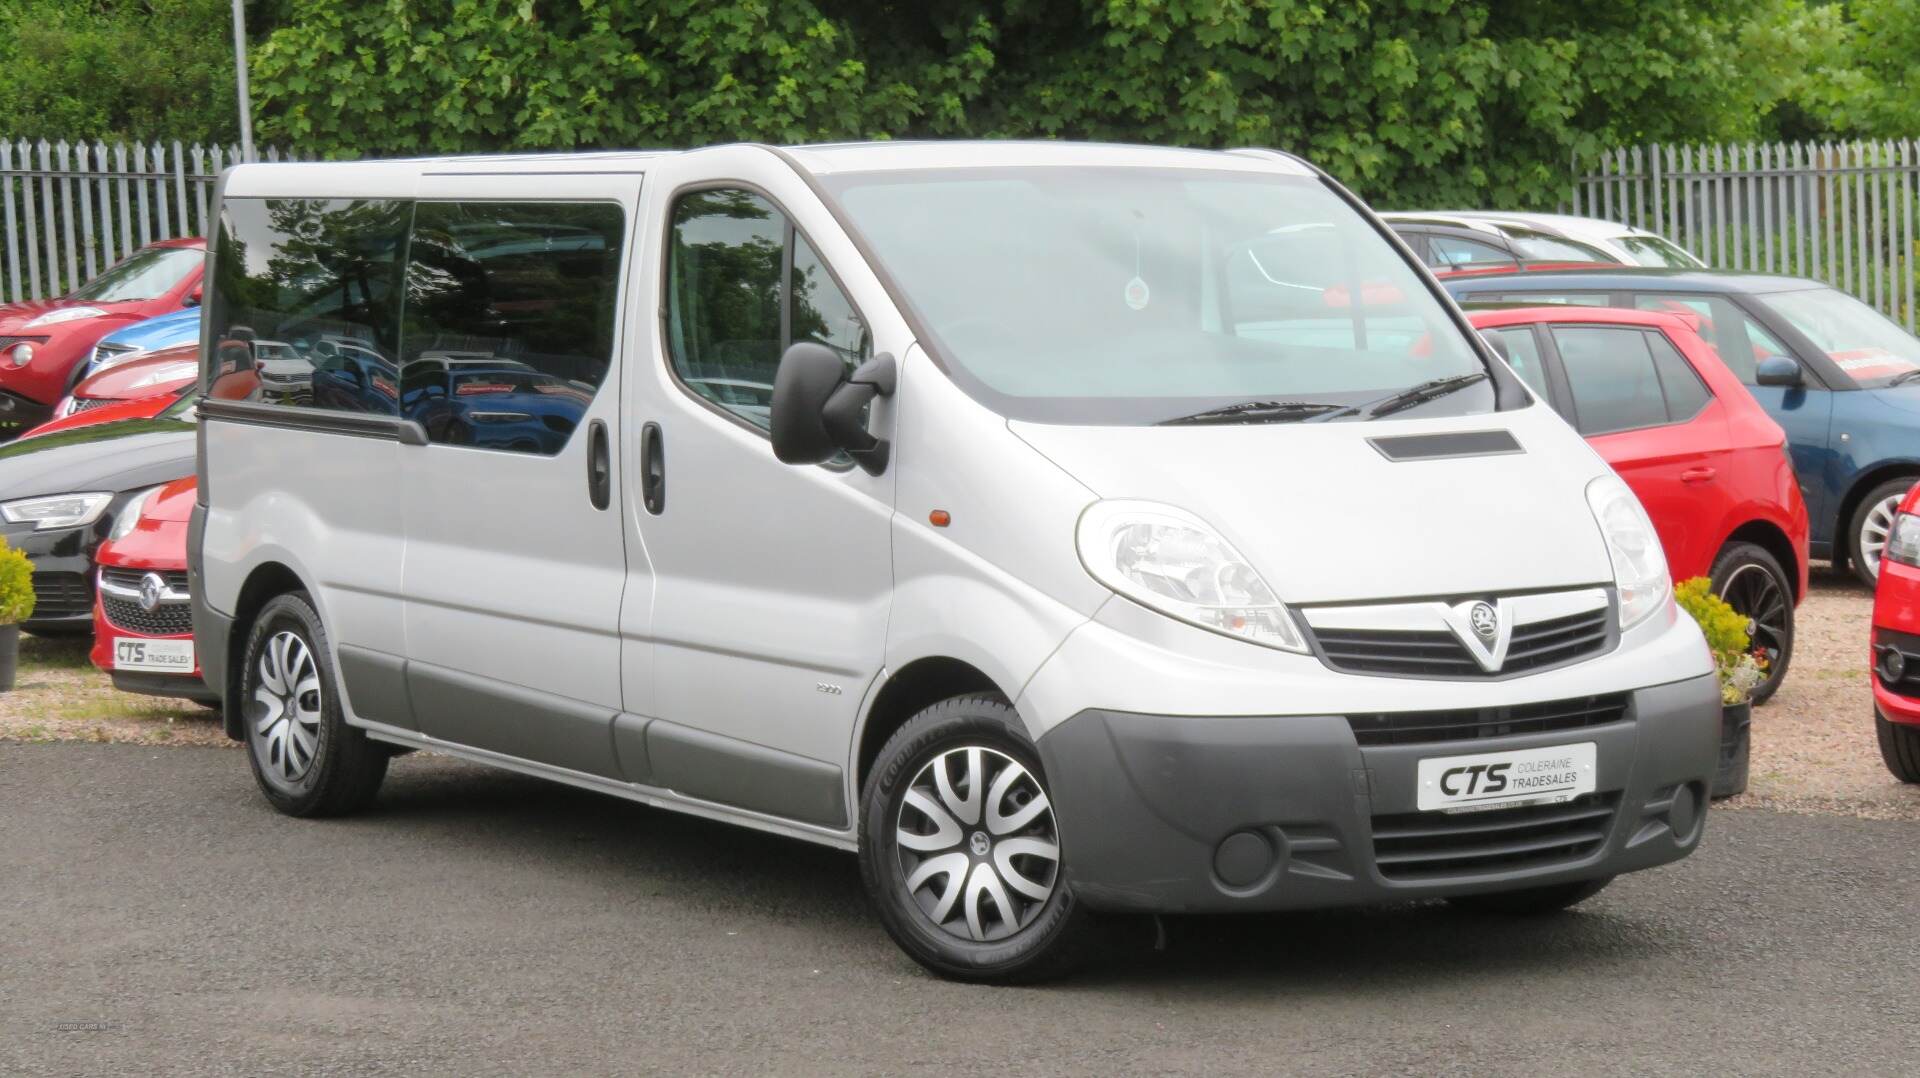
1206	557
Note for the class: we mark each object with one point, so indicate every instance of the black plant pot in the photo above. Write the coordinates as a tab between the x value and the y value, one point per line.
9	655
1736	741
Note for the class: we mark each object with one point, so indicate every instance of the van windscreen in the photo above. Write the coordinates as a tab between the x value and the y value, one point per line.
1129	296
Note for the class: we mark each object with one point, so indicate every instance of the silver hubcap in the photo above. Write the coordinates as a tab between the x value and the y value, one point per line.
1873	532
977	843
286	707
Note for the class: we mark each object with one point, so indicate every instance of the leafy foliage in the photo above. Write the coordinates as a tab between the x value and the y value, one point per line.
114	69
1413	101
16	585
1741	670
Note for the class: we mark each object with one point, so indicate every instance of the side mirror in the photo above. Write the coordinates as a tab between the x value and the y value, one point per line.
817	407
192	298
1778	371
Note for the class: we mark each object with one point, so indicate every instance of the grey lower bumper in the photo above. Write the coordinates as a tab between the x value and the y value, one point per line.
1167	814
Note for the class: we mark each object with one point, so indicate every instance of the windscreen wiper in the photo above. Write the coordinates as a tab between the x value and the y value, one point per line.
1411	396
1903	377
1255	412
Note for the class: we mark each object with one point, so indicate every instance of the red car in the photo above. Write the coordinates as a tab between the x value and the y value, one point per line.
1705	459
1896	643
138	408
142	617
43	342
165	372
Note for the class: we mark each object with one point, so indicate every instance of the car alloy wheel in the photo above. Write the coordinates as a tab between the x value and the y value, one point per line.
1875	526
977	842
285	709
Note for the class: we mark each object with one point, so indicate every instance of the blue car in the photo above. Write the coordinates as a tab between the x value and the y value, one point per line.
167	331
1835	373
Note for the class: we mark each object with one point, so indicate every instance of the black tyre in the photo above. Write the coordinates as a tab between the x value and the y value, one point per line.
960	850
1532	901
1900	748
306	758
1872	520
1753	582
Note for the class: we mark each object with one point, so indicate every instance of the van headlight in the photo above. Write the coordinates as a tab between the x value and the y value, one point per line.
56	510
1168	559
1639	565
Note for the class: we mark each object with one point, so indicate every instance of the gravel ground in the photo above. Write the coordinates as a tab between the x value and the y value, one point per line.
1814	748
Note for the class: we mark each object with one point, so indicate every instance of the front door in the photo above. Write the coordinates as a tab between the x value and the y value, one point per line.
772	582
516	559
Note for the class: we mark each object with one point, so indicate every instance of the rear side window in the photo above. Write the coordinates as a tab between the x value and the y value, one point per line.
298	283
1569	299
1617	383
509	321
1445	252
1523	355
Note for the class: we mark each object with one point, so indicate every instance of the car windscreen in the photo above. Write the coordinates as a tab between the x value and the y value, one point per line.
143	275
1657	252
1132	296
1540	247
1861	341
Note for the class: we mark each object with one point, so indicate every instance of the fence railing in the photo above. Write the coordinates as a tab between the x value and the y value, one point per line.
70	210
1839	212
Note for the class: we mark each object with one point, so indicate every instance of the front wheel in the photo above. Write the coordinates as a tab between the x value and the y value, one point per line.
960	851
1752	582
1532	901
1871	524
305	757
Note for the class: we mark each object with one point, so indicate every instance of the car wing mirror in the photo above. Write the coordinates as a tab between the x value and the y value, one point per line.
818	408
191	299
1778	371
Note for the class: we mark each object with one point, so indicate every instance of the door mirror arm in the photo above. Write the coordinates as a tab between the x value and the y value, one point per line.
818	409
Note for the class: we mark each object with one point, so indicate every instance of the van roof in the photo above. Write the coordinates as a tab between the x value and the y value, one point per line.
820	159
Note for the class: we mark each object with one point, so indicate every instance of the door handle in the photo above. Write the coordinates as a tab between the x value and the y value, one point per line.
599	466
1697	475
653	469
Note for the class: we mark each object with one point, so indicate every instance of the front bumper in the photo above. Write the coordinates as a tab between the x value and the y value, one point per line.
19	413
62	575
1214	814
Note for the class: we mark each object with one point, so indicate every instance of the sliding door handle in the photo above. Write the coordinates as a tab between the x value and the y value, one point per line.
599	466
653	469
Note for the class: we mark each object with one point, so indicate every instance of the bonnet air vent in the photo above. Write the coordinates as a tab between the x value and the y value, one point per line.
1466	443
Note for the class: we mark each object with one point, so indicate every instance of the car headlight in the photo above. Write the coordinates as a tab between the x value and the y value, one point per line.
130	514
64	314
56	510
1903	540
1168	559
1639	564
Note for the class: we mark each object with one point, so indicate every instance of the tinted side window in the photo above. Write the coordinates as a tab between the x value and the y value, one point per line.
1611	375
509	320
1740	341
1685	393
1447	251
1523	355
728	318
299	285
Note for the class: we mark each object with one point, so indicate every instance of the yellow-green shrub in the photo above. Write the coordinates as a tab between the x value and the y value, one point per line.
1726	631
16	585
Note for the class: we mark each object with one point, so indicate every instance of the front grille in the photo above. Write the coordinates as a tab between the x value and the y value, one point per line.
1438	653
9	342
167	619
61	595
1418	846
104	352
82	404
1473	724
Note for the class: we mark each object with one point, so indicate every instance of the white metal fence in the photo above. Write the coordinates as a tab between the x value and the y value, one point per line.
1839	212
71	210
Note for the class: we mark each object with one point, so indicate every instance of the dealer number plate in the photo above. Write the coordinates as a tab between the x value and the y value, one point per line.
1488	780
168	656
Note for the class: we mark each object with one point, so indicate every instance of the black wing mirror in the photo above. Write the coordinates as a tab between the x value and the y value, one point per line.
818	407
1778	371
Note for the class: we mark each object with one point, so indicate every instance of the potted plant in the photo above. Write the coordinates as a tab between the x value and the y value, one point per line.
1741	669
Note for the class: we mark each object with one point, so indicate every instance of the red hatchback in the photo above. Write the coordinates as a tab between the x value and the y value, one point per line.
43	342
1706	461
142	618
1896	643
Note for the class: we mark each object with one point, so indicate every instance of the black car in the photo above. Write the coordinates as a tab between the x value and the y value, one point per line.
60	493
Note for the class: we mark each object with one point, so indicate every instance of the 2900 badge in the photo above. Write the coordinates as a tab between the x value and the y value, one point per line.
1507	779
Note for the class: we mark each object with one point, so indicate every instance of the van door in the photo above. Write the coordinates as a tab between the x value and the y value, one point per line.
516	557
772	581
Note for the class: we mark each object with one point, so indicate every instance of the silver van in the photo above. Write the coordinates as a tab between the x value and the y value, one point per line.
1066	529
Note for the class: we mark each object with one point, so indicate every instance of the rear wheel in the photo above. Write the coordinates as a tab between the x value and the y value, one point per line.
1752	581
960	851
1872	522
1532	901
1900	748
305	757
